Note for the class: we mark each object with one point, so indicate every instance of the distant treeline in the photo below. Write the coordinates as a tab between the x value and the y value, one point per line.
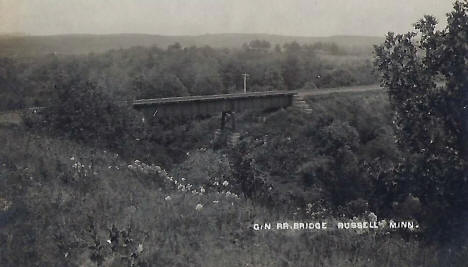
23	45
151	72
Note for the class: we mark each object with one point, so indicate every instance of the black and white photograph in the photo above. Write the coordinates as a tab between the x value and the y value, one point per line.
234	133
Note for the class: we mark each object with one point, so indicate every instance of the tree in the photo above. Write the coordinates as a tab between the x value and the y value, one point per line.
431	121
83	112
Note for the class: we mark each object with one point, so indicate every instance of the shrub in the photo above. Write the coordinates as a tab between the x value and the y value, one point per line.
83	112
204	167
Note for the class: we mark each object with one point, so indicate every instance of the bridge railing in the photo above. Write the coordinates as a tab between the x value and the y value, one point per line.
210	97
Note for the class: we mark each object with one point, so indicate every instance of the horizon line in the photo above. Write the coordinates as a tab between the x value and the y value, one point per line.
22	34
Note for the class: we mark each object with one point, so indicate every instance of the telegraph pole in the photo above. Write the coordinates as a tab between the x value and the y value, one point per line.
245	75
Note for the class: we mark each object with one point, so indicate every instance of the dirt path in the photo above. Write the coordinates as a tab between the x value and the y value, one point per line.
10	117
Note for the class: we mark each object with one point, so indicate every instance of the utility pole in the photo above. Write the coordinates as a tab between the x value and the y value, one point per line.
245	75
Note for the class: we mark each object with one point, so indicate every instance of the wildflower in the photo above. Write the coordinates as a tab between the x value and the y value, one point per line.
216	183
108	241
72	158
215	201
372	217
382	223
225	183
137	161
183	179
140	248
198	206
202	190
168	198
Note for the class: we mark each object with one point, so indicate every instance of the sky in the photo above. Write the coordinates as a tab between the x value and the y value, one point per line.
195	17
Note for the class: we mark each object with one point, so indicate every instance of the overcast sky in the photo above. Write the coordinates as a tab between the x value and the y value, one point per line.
193	17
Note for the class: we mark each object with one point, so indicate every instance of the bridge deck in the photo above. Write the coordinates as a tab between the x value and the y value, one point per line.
169	100
192	106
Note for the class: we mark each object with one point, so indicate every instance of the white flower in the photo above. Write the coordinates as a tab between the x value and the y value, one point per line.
382	223
372	217
202	190
168	198
215	201
108	241
140	248
183	179
225	183
72	158
216	183
198	206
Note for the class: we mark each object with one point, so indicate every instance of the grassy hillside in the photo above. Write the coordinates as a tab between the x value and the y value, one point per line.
116	213
87	43
70	204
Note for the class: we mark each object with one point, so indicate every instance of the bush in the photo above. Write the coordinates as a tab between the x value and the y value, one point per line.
84	113
204	167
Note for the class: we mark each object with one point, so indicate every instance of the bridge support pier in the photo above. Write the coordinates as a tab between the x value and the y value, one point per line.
228	115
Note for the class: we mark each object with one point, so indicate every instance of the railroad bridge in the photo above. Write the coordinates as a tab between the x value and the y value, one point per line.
226	104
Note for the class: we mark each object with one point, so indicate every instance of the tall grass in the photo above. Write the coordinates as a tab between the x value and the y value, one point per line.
72	205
